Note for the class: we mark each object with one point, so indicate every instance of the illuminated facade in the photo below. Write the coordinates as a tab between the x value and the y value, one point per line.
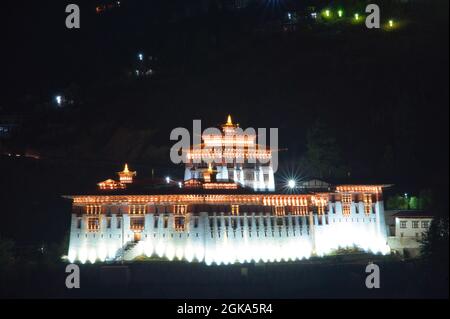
218	219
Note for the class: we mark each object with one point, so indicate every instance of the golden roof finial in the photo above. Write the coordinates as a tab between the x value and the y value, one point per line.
229	121
126	170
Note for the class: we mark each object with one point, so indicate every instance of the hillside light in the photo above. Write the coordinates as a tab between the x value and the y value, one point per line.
340	13
141	57
167	179
391	23
356	16
180	185
58	100
327	13
292	184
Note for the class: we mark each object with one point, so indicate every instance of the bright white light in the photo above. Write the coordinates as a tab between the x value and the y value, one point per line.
141	57
167	179
314	15
58	99
292	184
180	184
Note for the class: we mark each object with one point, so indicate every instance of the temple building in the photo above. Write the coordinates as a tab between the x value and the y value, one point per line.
249	164
224	213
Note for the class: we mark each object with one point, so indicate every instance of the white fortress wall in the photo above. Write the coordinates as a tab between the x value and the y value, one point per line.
255	236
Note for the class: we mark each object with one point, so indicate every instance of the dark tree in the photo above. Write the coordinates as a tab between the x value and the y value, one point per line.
323	155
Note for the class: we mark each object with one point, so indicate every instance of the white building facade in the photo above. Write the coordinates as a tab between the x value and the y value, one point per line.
410	228
223	229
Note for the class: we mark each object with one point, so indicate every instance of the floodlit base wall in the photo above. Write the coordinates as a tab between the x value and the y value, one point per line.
214	240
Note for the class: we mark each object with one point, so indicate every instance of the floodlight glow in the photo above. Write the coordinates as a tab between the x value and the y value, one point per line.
356	16
141	57
391	23
292	184
167	179
58	99
340	13
327	13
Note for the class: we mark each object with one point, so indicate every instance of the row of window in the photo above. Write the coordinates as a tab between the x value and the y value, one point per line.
415	224
138	223
279	210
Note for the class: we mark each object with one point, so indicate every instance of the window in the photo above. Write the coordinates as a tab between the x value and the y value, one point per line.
346	202
179	223
166	221
320	203
180	209
196	222
93	209
137	209
137	223
234	223
403	224
367	204
93	224
319	220
79	223
280	221
235	210
300	210
119	222
425	224
279	210
108	223
415	224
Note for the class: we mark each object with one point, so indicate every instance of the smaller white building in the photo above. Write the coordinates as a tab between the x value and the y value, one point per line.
410	227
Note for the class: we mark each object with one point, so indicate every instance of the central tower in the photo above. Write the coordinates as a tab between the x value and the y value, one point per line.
231	155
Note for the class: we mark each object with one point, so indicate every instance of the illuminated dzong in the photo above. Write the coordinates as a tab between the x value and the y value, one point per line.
224	213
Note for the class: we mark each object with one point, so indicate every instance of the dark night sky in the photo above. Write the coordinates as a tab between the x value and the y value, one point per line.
383	96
